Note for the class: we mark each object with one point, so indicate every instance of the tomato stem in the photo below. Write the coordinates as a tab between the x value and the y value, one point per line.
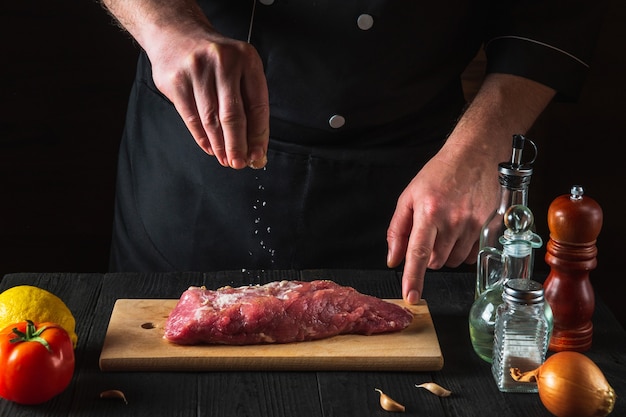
32	334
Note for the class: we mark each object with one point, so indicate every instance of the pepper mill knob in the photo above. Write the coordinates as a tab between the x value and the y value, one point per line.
574	221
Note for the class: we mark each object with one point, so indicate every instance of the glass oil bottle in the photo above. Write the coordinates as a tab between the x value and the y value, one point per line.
495	269
514	177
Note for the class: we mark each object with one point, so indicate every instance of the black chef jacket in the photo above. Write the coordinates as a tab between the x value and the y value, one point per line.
362	94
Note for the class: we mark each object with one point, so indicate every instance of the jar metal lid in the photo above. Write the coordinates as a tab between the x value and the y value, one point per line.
524	291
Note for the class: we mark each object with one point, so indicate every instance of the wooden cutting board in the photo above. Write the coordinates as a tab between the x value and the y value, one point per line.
134	342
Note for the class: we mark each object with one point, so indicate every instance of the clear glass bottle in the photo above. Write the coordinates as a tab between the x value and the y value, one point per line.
482	321
514	177
513	261
522	334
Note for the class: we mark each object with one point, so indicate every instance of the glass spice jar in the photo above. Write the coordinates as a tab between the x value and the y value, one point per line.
522	333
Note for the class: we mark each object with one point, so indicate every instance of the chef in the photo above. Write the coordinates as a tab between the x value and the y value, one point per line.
329	134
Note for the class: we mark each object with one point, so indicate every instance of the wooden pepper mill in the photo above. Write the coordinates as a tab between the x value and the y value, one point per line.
574	221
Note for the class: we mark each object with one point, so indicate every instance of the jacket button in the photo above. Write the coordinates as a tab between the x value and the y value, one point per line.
267	2
365	22
336	121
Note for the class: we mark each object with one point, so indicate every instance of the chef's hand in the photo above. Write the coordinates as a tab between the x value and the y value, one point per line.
438	218
217	84
218	87
439	215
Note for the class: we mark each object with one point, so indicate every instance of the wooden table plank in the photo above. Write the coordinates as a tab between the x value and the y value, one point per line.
353	393
80	293
301	394
280	394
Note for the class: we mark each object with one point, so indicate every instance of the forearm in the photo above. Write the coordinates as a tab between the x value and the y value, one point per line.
438	216
150	20
505	105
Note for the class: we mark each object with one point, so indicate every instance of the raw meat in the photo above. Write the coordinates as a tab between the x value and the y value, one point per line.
279	312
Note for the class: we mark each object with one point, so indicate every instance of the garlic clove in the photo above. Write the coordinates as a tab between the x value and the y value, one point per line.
389	404
114	393
436	389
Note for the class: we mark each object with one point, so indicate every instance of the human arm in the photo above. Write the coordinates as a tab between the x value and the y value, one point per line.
438	217
217	84
534	51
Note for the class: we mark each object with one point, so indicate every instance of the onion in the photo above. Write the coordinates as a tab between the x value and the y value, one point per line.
571	385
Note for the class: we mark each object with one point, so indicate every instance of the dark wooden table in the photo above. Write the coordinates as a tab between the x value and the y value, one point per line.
293	394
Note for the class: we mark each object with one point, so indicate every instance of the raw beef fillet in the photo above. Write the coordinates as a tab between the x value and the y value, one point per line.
279	312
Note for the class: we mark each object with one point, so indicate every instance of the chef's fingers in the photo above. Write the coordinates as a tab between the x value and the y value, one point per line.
406	240
232	119
256	102
217	80
472	258
243	105
465	250
185	101
418	256
445	247
398	234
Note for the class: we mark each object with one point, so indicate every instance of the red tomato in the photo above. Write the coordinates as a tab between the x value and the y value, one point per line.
36	362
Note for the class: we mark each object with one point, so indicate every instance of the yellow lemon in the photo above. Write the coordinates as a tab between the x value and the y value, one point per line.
27	302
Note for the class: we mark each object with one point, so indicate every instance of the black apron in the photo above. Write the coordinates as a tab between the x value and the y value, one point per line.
327	194
311	207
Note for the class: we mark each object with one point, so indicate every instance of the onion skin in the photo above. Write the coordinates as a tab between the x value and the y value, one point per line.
571	385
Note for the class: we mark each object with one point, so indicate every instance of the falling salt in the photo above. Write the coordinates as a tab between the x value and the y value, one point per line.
258	204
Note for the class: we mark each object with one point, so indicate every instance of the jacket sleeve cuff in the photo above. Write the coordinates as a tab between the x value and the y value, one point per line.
539	62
